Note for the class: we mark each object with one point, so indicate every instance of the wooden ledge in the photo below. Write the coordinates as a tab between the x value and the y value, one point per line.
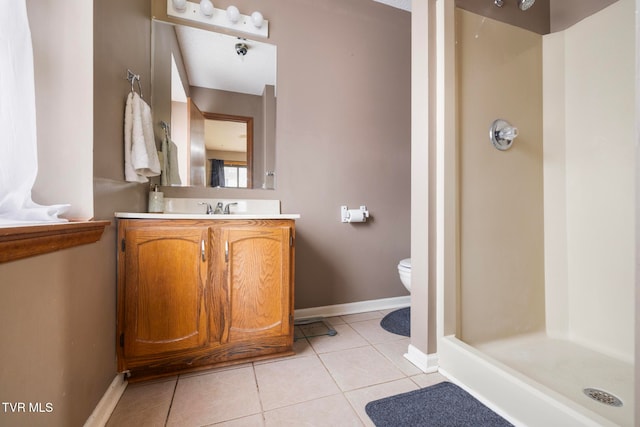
30	240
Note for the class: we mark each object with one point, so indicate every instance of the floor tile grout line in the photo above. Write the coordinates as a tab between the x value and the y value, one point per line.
289	405
173	395
255	380
354	409
356	332
326	368
341	349
370	385
395	365
344	395
317	356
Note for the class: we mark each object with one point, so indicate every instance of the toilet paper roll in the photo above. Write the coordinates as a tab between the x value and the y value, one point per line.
356	215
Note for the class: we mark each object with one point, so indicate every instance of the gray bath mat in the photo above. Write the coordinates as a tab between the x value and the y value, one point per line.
441	405
398	322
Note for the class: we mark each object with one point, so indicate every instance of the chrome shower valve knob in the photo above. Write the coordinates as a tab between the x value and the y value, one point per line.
502	134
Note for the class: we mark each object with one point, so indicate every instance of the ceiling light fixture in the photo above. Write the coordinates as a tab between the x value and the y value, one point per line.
241	49
231	18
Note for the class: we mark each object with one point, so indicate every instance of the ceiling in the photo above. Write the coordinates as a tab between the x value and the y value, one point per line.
225	135
211	61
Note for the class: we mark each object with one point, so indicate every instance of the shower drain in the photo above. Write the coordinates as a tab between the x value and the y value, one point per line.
602	397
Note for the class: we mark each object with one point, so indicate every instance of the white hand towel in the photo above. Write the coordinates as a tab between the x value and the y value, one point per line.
129	172
170	168
174	169
144	154
141	156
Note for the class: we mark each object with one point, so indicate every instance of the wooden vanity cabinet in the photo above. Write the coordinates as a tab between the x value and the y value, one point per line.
252	274
199	293
165	280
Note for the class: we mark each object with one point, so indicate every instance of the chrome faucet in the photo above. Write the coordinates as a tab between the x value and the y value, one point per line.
218	210
226	208
209	208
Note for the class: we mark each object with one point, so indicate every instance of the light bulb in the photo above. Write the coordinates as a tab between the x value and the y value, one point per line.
179	5
206	7
257	19
233	14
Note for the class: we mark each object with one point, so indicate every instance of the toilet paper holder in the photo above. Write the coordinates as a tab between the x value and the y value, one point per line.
354	215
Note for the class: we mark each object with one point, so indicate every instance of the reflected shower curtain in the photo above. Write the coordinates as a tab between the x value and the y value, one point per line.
217	173
18	141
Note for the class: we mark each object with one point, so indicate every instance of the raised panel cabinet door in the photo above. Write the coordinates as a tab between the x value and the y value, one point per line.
257	282
165	279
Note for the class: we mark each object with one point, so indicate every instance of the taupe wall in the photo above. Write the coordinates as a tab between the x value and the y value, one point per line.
122	38
343	138
501	192
57	329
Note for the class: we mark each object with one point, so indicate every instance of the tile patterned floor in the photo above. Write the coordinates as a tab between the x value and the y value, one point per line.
327	383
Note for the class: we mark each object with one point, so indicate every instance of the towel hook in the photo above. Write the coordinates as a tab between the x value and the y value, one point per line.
132	77
167	128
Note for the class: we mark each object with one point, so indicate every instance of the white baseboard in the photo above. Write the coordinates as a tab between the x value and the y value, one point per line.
353	307
427	363
107	404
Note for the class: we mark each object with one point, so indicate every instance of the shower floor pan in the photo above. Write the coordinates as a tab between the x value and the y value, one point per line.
569	369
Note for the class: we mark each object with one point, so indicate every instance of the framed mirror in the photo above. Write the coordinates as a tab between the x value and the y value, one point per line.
217	94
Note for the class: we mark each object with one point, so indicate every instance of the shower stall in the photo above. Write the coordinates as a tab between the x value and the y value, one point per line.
537	242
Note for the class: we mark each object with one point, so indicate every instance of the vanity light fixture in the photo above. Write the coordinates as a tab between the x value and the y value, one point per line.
231	18
257	19
180	5
206	7
233	14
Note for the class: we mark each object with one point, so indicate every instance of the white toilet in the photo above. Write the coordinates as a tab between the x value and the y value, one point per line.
404	269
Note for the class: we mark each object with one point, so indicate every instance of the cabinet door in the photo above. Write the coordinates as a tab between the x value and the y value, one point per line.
166	272
257	281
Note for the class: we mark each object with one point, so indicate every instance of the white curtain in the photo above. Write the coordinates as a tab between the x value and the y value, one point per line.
18	143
